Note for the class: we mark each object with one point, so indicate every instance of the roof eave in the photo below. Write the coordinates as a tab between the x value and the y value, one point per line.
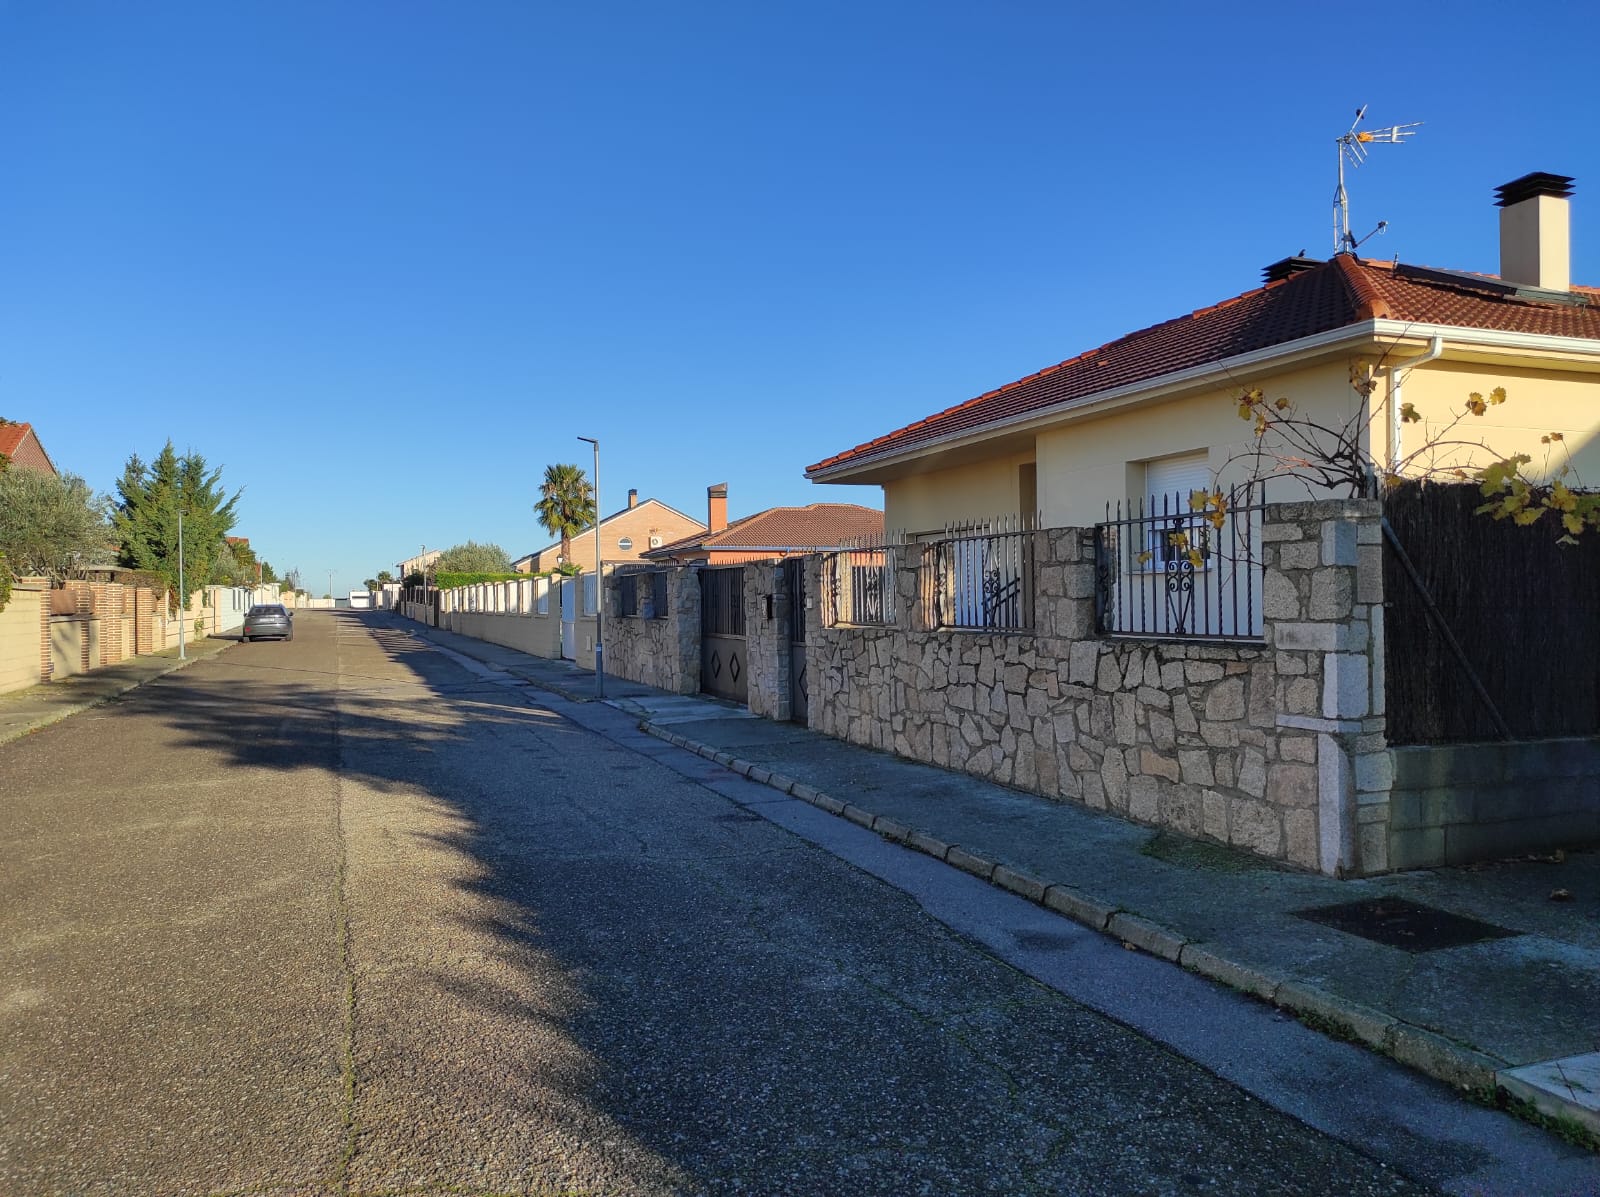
1220	369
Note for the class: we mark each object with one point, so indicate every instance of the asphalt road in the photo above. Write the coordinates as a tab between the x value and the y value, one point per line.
343	915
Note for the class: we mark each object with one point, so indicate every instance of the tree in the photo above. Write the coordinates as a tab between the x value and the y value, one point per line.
473	558
385	578
1291	444
146	518
51	526
371	583
566	504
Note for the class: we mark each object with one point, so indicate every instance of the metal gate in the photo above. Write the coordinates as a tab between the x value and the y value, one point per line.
794	579
569	618
723	669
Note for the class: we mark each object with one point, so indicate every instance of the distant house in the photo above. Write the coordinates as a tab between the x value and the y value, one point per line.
625	535
418	564
777	532
19	444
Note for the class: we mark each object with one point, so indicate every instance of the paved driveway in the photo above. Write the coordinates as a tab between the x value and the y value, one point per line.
343	916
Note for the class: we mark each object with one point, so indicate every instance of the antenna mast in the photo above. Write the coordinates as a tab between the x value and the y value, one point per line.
1353	145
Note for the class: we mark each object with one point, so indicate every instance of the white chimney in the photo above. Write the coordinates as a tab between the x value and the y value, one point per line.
1535	231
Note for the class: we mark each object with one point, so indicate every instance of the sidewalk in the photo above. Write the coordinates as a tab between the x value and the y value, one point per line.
23	711
1509	1000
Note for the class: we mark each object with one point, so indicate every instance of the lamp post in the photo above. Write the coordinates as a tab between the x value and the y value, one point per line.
599	583
183	599
331	603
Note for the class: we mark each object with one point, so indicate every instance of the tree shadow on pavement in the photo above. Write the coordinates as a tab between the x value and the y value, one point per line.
577	970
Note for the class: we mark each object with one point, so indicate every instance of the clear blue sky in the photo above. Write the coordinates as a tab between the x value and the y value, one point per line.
384	261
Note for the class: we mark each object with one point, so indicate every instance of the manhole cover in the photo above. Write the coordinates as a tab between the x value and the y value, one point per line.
1405	925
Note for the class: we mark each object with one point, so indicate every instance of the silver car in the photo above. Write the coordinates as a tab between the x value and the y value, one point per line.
268	619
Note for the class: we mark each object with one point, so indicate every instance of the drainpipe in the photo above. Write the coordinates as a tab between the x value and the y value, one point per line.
1396	379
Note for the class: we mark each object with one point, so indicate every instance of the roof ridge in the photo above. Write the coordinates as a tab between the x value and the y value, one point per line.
1369	301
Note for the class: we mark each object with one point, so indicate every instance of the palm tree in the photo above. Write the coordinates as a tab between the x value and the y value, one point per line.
566	505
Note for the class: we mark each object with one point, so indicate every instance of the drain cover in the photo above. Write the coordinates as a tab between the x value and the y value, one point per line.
1405	925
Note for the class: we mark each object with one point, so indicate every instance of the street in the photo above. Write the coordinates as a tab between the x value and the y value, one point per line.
342	915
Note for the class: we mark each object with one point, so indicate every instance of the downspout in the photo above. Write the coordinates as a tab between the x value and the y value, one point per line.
1396	446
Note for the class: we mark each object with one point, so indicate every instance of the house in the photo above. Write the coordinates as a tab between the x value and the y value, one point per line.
625	535
1155	412
777	532
418	564
1056	618
19	444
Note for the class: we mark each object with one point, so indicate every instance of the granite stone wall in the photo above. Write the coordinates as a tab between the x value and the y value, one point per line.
1275	746
661	652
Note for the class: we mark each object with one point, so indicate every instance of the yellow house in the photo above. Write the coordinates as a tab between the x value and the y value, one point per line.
625	535
1156	412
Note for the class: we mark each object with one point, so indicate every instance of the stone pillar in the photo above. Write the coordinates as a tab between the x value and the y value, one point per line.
766	632
1322	606
683	622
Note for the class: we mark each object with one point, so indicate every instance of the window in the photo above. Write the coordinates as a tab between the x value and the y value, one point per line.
625	543
1173	527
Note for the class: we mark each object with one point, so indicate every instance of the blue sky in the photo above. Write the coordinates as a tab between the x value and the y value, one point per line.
383	262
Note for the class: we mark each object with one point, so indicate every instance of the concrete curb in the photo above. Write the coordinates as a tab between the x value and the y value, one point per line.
1416	1047
66	711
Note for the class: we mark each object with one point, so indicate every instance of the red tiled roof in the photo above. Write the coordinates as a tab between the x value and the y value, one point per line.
815	526
11	436
1342	291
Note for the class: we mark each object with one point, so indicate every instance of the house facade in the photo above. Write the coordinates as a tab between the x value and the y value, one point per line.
1349	342
625	536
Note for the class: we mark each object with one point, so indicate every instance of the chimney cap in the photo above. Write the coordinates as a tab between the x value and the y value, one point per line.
719	489
1288	267
1530	186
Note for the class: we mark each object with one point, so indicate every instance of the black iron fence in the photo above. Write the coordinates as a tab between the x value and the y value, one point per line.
858	585
722	601
979	576
1491	631
1164	569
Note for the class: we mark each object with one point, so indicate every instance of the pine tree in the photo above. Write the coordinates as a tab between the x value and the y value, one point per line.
146	518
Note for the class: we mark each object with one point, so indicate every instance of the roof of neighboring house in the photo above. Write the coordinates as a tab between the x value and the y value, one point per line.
614	515
780	529
1343	291
12	436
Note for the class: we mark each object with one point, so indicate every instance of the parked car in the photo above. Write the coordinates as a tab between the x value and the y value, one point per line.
268	619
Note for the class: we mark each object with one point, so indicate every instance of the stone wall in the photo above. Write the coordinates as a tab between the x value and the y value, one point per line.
664	652
766	629
1264	745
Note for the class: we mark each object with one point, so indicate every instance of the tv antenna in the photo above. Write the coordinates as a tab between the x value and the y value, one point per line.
1353	145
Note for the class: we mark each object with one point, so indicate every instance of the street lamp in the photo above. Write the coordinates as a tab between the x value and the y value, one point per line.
599	583
183	599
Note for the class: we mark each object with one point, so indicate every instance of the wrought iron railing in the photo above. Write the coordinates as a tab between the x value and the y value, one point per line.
979	576
722	601
1167	568
858	585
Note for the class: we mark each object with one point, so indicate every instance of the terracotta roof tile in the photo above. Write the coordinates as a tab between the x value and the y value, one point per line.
1343	291
11	436
815	526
